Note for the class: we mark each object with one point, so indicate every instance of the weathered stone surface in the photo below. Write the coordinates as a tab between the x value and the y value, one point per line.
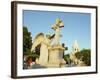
56	55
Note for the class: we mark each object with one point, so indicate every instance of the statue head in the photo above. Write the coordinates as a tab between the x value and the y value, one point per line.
58	24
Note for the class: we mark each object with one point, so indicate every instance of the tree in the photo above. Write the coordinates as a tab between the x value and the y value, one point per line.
85	56
27	44
27	41
67	58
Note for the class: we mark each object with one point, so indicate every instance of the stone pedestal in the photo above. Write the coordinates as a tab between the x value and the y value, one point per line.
55	58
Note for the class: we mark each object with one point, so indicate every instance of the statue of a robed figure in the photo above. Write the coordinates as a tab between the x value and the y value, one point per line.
51	50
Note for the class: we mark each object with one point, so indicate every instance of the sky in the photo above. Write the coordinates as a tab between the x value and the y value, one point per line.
77	26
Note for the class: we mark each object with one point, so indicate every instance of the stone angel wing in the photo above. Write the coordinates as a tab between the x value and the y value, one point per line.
39	38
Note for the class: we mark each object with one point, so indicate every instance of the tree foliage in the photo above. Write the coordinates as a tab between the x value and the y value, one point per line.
67	58
27	44
27	40
85	56
33	56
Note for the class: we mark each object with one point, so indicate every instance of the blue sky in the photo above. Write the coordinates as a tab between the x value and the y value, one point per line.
77	26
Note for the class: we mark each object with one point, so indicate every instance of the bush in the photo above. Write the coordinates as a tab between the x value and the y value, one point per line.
67	58
85	56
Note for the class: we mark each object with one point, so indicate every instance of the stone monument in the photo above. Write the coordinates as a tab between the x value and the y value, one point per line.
51	51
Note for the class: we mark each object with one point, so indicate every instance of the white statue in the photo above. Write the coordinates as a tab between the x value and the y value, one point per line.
47	41
56	27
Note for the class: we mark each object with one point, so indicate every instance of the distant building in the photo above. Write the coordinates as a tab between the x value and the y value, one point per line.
75	47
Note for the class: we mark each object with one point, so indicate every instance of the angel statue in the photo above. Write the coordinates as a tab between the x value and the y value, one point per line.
47	41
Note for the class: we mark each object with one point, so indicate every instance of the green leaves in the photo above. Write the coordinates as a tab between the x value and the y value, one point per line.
27	44
27	40
85	56
67	58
